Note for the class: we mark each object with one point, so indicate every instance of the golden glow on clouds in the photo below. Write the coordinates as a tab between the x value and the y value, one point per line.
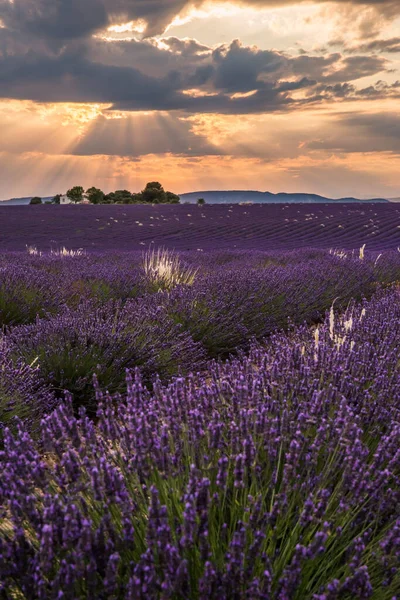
161	45
276	136
209	10
272	151
267	27
138	26
279	151
334	176
196	93
242	94
309	25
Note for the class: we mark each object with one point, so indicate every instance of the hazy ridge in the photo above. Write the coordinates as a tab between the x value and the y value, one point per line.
237	196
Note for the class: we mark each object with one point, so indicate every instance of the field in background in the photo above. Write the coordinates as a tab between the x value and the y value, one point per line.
184	227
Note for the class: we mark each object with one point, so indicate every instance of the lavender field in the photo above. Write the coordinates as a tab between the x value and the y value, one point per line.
219	421
191	227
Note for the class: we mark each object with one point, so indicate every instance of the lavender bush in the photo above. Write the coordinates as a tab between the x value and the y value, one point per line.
23	394
76	316
226	308
273	476
69	348
26	293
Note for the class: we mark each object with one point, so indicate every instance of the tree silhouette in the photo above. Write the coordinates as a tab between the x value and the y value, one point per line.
75	194
95	195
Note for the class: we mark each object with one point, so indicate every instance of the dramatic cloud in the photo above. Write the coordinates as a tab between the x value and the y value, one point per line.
354	133
179	75
70	19
391	45
122	82
387	6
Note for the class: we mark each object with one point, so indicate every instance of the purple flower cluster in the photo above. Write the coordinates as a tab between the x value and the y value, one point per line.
23	393
76	316
70	347
226	307
273	477
26	293
99	314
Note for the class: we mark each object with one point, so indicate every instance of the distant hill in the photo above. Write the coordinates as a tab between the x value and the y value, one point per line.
21	201
236	196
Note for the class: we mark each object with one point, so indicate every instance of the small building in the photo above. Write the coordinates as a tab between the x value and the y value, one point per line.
65	200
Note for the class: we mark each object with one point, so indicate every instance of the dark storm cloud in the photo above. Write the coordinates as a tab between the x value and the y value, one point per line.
388	7
54	19
137	75
356	67
69	19
385	125
391	45
335	69
70	77
58	20
47	54
239	68
186	47
356	133
379	90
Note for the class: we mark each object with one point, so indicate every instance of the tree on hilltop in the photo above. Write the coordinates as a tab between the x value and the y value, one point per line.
75	194
154	193
172	198
119	197
36	200
95	195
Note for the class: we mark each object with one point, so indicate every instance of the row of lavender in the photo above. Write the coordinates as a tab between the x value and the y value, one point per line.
68	318
180	227
273	477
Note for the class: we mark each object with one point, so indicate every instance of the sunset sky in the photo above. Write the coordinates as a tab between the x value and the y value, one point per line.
278	95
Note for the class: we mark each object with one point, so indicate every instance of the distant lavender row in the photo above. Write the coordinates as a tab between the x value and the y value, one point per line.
273	477
184	227
39	285
68	318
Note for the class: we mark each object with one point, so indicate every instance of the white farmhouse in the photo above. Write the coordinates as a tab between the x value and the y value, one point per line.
65	200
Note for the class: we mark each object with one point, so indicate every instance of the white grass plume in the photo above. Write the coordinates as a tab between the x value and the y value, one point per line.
338	253
165	270
33	251
63	252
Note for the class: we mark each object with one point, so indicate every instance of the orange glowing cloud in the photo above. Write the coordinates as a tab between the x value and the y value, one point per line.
282	95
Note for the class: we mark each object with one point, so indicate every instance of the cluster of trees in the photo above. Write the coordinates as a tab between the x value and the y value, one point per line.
153	193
